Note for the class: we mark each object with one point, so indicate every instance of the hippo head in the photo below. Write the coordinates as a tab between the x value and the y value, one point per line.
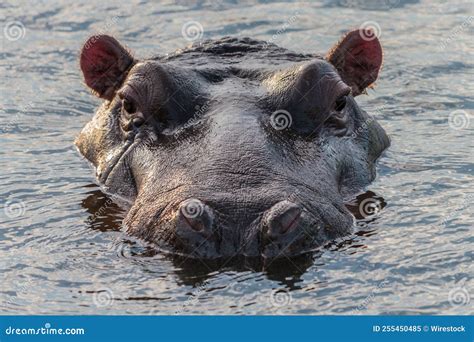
233	147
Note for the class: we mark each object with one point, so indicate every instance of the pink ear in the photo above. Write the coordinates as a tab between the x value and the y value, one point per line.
105	64
358	59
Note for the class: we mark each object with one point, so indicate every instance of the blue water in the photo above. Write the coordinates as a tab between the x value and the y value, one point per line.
61	250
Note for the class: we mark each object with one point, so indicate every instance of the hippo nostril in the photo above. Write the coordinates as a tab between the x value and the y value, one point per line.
282	217
196	215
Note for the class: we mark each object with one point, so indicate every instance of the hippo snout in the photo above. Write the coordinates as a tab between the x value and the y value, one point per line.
202	228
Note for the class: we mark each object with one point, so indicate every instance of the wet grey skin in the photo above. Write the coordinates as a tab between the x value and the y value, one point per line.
234	147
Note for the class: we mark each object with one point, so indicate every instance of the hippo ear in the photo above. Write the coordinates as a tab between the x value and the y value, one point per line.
357	58
105	64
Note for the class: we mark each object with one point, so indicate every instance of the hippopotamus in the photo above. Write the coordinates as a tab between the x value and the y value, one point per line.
233	146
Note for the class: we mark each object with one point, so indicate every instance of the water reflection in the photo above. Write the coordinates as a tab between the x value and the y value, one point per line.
105	215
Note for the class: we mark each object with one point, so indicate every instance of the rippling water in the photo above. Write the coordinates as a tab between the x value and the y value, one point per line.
61	250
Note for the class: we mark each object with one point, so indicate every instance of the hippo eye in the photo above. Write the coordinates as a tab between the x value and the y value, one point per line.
129	106
341	103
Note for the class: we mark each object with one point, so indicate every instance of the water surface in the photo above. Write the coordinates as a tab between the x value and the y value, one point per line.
61	249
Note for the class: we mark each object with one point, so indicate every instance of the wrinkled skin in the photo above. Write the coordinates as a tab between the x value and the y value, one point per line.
234	147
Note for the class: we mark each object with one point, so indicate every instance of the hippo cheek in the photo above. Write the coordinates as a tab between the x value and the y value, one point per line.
102	143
